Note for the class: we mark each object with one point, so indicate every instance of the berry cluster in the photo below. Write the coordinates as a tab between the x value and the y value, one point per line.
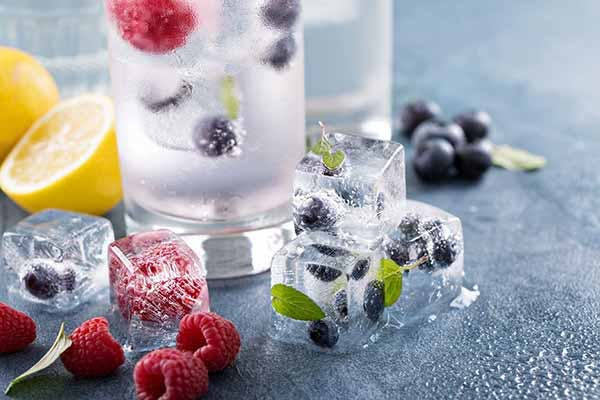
444	148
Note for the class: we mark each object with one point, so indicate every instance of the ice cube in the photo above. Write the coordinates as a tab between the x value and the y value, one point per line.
363	198
156	279
57	259
338	277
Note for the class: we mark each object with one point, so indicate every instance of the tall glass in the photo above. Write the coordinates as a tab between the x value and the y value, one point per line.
348	47
209	98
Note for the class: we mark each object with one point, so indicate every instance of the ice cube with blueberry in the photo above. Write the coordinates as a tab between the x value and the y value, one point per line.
155	280
57	259
326	293
350	186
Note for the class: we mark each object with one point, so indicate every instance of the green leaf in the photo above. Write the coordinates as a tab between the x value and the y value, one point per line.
335	160
322	147
516	159
391	275
61	344
294	304
229	97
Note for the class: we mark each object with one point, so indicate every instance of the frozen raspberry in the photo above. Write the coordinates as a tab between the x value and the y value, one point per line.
154	26
214	339
170	374
17	330
94	351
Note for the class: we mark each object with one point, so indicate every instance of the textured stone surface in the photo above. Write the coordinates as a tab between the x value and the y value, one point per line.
531	239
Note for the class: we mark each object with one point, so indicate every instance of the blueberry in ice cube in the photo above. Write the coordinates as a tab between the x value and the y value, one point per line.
433	159
217	136
42	281
445	252
415	113
360	270
323	333
281	14
473	160
340	304
323	272
450	132
373	303
410	227
280	53
68	280
156	104
331	251
475	124
315	214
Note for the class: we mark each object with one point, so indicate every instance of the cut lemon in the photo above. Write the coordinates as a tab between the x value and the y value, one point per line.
67	159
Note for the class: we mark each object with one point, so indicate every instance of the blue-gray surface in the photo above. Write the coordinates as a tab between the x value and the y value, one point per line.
532	239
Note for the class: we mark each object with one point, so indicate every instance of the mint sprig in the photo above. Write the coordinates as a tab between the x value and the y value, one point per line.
332	161
61	344
513	159
391	275
229	97
294	304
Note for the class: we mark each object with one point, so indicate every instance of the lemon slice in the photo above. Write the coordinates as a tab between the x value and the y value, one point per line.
68	159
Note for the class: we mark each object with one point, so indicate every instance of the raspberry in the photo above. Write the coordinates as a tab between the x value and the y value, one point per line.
211	337
154	26
17	330
169	374
94	351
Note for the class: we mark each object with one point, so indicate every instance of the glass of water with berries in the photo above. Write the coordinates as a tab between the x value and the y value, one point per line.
209	98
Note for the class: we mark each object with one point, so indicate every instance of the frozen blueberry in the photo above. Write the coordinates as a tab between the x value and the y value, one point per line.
156	105
410	227
331	251
323	333
360	270
216	136
340	304
281	52
68	280
433	159
434	228
323	272
475	124
415	113
281	14
42	281
451	132
445	252
373	302
473	160
315	214
398	251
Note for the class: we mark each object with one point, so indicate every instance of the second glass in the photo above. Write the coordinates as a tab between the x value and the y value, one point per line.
209	98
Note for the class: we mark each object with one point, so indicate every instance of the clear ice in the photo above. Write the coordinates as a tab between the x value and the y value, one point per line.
57	259
155	279
364	198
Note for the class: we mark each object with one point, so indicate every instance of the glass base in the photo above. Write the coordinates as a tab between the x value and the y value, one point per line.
231	249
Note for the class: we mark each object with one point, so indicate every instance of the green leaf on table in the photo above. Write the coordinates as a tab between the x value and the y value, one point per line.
294	304
229	97
391	275
508	157
322	147
61	344
333	161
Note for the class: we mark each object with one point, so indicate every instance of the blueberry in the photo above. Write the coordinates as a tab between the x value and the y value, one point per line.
433	159
410	227
323	272
331	251
434	228
281	14
415	113
340	304
68	279
451	132
42	281
157	105
216	136
360	270
398	251
315	214
475	124
281	52
373	302
445	252
323	333
473	160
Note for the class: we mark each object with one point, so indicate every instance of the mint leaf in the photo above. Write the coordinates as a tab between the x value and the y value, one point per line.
322	147
61	344
294	304
335	160
391	275
229	97
514	159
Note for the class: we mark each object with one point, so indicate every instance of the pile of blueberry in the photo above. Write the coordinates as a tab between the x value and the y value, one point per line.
447	148
281	15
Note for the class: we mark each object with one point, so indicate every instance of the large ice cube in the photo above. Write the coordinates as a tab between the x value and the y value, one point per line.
57	259
341	279
156	279
363	199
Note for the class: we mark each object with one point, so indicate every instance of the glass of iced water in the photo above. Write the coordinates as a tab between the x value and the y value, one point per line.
209	98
